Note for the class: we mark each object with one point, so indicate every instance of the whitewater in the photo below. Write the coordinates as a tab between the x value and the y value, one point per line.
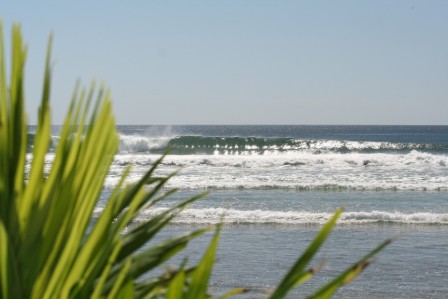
274	186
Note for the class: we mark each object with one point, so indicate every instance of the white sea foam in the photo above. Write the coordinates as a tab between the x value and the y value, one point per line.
279	159
289	170
299	170
139	143
232	216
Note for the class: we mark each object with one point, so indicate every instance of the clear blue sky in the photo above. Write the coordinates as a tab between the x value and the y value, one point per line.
244	62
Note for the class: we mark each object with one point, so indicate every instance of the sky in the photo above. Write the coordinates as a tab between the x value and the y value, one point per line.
249	62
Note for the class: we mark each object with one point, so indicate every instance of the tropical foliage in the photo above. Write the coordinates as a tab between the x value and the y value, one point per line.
52	246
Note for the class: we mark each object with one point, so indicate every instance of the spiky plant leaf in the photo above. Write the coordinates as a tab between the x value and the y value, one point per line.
50	247
348	275
176	288
201	275
298	273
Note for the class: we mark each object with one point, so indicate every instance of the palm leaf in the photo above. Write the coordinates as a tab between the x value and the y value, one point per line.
298	272
50	214
348	275
52	246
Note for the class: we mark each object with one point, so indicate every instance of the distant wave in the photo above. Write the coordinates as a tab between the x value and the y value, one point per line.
142	144
256	145
192	145
232	216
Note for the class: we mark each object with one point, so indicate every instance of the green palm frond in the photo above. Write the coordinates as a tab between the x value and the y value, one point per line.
51	246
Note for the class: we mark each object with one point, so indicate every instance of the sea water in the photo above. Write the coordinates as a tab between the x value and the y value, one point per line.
274	186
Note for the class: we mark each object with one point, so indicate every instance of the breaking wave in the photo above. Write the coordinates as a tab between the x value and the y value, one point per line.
231	216
256	145
192	145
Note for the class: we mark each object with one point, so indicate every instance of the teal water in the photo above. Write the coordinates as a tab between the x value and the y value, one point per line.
274	186
254	257
257	248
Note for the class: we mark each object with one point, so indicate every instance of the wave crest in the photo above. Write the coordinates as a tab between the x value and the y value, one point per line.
258	145
232	216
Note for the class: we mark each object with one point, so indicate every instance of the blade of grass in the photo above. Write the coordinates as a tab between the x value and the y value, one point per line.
154	256
233	292
176	287
348	275
297	272
201	275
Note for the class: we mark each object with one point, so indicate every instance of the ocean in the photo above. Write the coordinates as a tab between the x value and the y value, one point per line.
274	186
